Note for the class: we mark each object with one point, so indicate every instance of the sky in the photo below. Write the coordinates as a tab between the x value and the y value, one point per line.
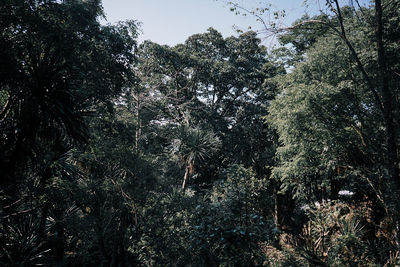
173	21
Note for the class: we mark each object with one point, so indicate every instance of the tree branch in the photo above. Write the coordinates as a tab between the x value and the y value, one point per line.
356	58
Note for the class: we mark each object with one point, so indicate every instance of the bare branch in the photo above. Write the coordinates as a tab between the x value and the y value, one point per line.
253	13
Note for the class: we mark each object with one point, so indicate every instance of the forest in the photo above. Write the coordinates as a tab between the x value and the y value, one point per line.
218	151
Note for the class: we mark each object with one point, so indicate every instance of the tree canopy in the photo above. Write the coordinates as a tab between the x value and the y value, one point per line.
213	152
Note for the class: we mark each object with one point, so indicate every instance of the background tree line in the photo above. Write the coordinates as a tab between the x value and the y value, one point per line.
214	152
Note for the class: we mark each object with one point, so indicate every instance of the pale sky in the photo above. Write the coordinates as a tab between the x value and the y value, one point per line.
173	21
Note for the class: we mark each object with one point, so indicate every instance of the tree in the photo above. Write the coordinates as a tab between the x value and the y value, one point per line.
58	64
203	100
329	118
194	146
217	85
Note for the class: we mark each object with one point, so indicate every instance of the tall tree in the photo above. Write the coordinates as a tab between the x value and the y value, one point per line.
330	117
58	64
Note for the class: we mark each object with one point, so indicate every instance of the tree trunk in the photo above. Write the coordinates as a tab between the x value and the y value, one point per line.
276	208
139	123
185	178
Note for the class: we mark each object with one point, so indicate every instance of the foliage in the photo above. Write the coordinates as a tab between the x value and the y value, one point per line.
280	167
59	63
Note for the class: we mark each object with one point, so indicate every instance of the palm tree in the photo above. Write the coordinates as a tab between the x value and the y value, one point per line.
193	146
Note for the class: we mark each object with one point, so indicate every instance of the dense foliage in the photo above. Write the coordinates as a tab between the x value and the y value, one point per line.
214	152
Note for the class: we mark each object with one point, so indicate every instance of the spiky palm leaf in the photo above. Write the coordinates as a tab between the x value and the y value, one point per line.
193	146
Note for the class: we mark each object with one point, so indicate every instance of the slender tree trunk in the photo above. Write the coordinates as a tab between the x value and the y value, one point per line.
185	178
139	123
276	208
